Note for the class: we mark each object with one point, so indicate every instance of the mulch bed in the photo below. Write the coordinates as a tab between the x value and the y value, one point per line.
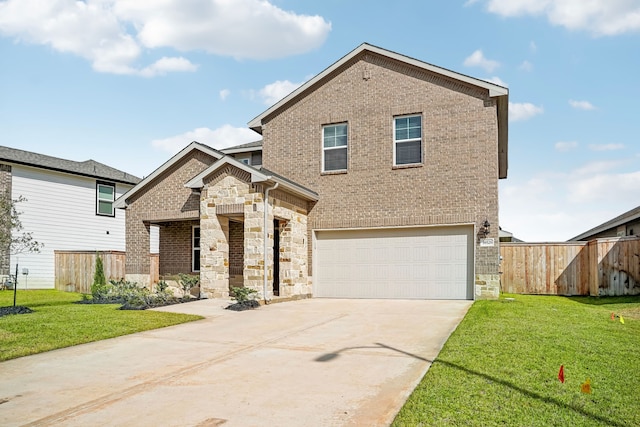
18	309
244	305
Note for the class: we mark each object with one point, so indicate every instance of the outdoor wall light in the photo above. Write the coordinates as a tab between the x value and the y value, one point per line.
484	229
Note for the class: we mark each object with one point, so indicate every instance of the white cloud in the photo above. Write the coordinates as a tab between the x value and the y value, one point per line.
497	80
605	187
599	17
526	66
253	29
477	59
565	145
523	111
597	167
277	90
111	34
581	105
605	147
222	137
555	206
164	65
224	94
533	47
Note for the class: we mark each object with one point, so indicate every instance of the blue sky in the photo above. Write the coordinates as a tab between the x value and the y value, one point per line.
130	82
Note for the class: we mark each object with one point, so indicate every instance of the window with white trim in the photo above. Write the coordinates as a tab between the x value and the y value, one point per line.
195	249
407	140
334	147
105	196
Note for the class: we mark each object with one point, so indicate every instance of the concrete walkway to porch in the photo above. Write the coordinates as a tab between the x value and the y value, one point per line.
313	362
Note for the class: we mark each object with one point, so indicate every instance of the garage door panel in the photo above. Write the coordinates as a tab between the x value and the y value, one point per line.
427	263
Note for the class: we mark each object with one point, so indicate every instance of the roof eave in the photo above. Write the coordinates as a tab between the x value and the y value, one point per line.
121	202
503	135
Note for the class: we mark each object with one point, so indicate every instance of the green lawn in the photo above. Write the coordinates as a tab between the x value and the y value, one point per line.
500	367
57	322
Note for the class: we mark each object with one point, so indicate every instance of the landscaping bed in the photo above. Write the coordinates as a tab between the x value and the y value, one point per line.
18	309
57	321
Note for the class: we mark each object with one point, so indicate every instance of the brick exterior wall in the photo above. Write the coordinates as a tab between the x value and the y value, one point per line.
175	247
164	200
236	248
457	182
5	194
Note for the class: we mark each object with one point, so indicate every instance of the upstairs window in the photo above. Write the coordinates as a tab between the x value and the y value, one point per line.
105	196
407	140
334	148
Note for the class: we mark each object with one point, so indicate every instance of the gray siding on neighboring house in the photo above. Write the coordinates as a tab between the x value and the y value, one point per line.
456	183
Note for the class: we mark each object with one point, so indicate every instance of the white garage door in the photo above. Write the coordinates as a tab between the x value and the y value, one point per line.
416	263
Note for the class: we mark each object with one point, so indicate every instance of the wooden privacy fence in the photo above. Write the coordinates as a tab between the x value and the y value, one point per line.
602	267
74	269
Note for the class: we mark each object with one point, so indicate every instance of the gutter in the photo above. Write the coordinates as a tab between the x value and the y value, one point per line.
264	229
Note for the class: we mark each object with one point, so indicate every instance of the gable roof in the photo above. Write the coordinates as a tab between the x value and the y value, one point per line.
628	216
88	168
495	91
257	175
121	202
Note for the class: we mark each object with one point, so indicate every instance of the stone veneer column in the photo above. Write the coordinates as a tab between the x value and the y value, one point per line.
293	251
214	248
254	245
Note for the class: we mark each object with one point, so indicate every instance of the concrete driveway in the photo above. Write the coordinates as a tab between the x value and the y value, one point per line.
317	362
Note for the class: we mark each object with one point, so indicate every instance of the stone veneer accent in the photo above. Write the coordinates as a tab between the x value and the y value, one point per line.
5	194
456	183
231	186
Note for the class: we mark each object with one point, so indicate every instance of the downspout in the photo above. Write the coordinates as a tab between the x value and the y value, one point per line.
266	234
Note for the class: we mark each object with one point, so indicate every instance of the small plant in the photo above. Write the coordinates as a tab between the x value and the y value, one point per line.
99	281
242	294
188	282
161	286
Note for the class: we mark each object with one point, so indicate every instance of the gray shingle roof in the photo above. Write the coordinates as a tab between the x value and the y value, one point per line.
253	144
89	168
619	220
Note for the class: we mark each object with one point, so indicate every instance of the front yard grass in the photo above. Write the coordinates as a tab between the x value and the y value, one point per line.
500	366
57	322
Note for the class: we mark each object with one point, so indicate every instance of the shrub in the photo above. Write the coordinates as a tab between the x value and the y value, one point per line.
188	281
161	286
242	294
99	281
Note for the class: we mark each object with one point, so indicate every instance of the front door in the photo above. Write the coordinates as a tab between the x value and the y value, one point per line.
276	257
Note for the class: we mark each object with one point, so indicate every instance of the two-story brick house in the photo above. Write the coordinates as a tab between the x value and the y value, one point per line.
384	185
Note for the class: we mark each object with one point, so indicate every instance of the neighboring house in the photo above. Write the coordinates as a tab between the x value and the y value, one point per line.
507	236
379	177
627	224
69	206
249	154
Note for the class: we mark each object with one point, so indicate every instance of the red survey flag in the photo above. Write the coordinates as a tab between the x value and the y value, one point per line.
613	316
561	374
